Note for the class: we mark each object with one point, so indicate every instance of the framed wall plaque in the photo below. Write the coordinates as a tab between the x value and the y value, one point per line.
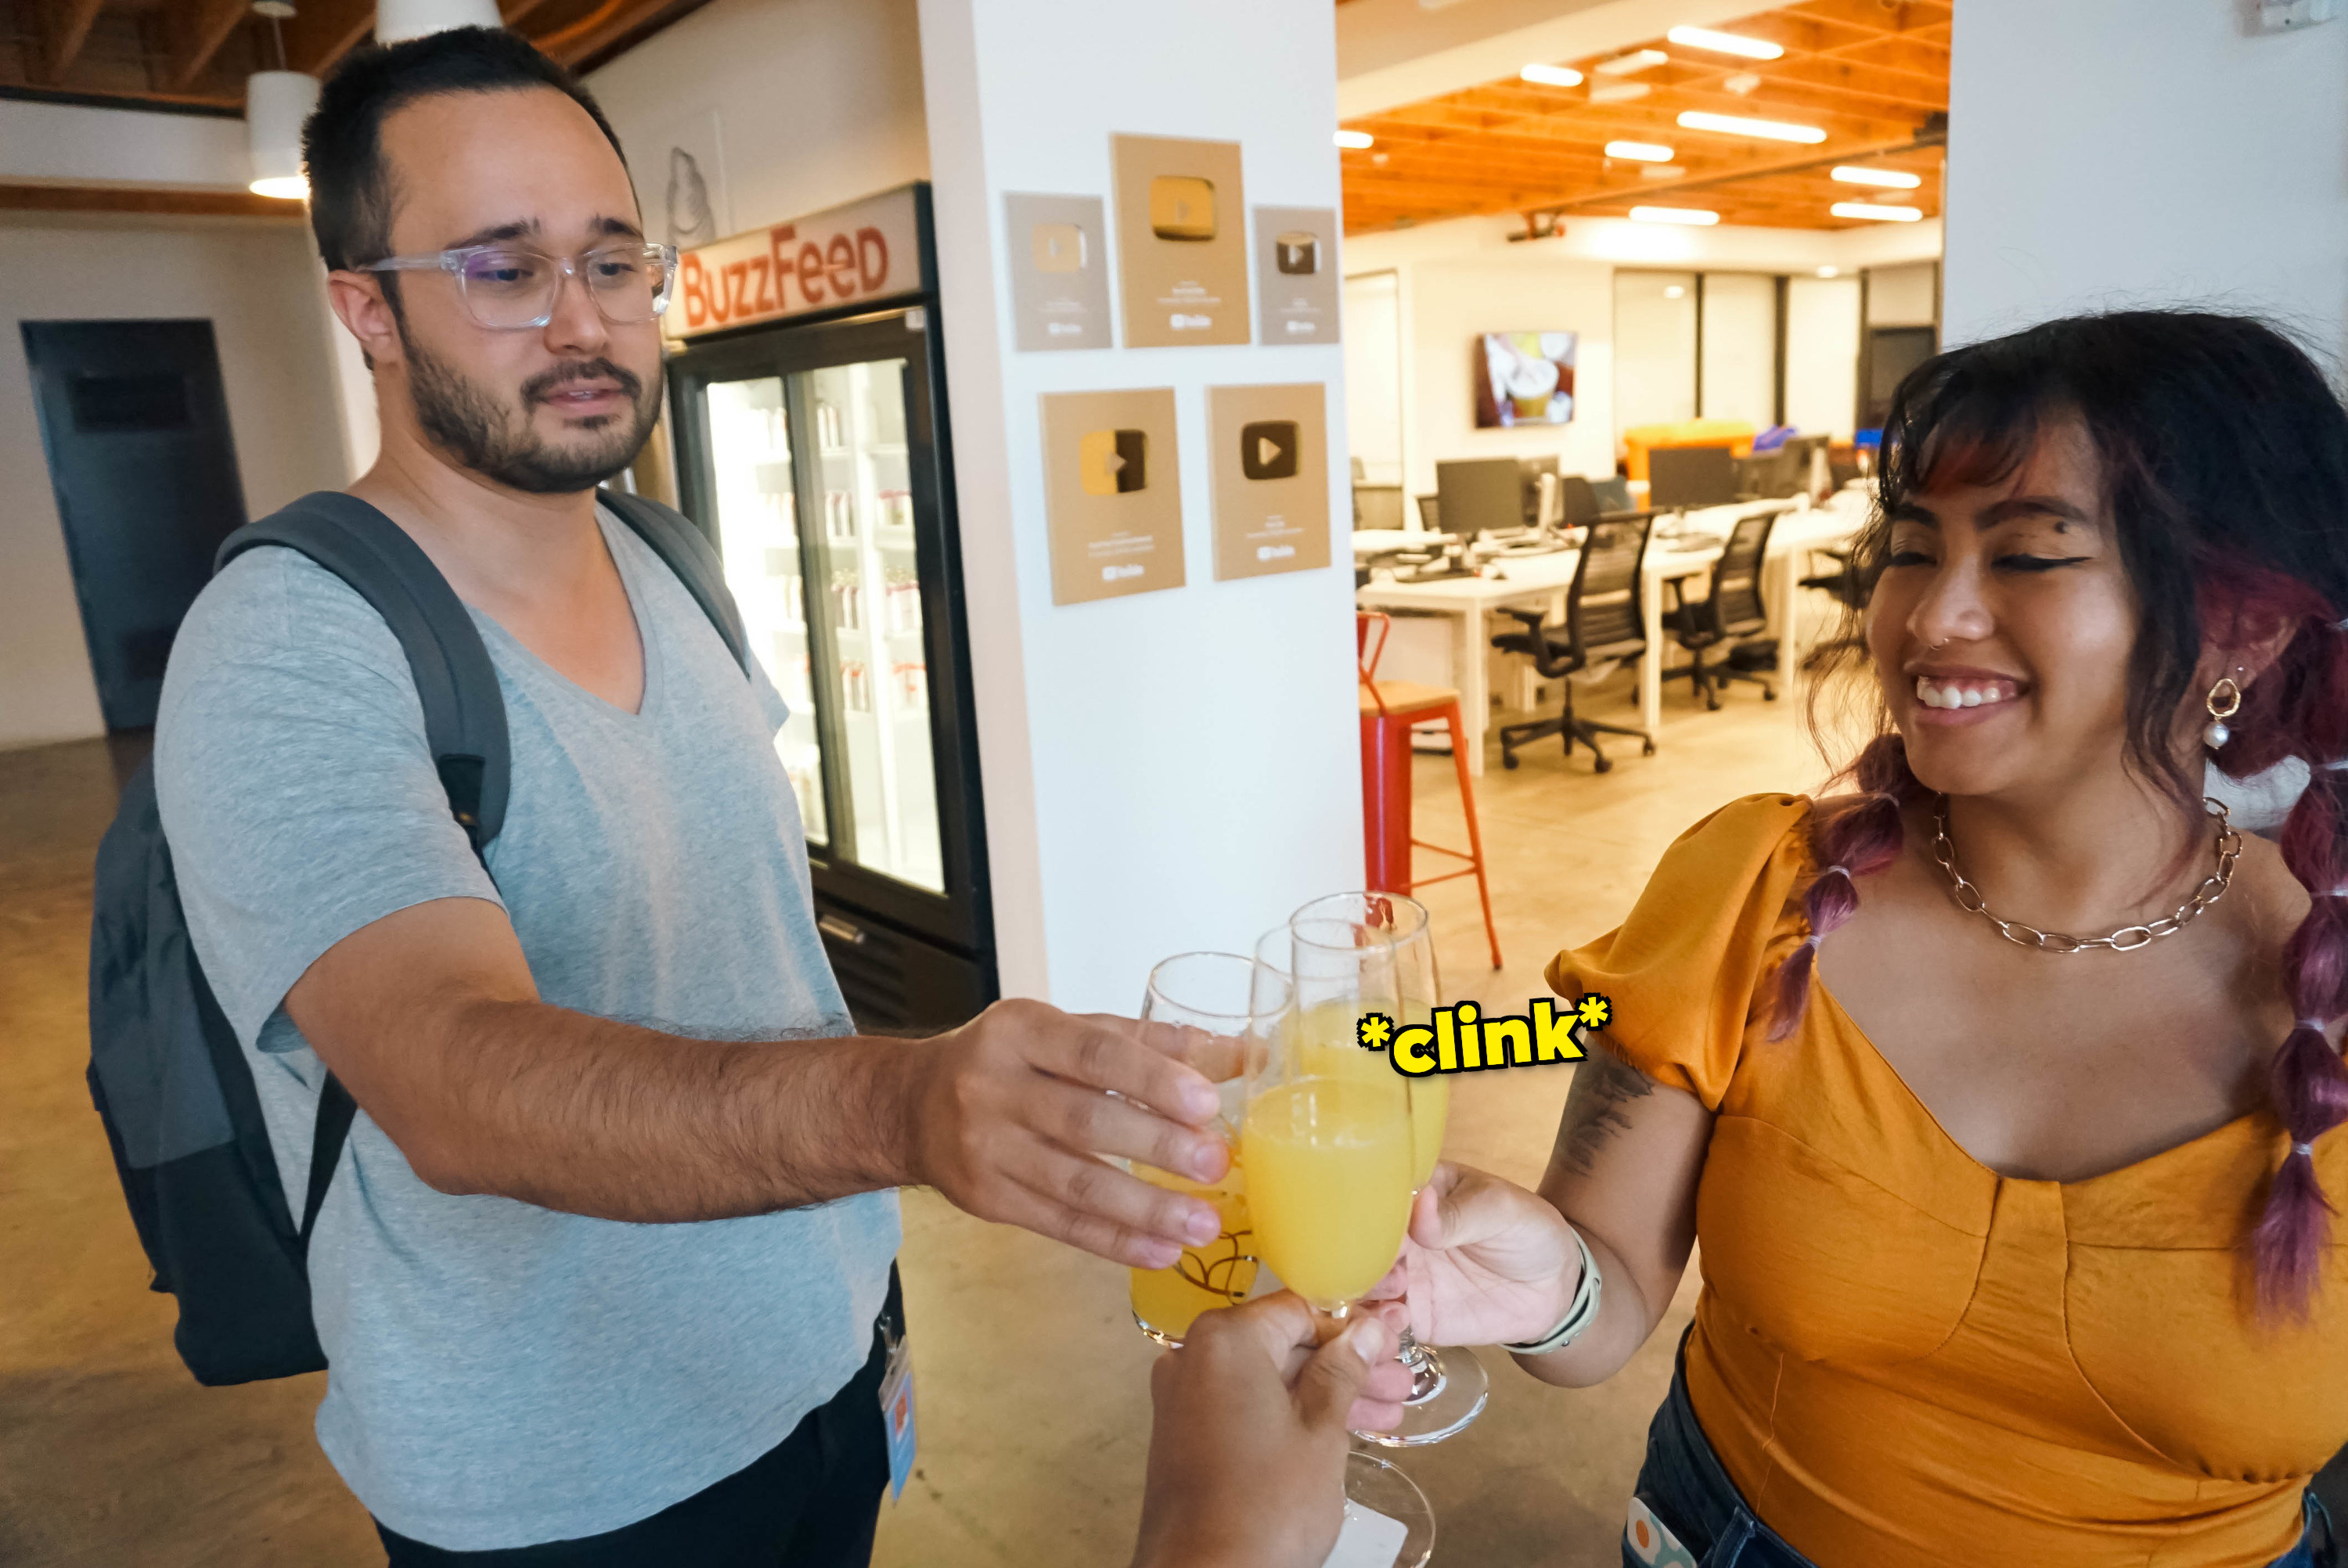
1113	494
1182	241
1059	271
1296	275
1271	467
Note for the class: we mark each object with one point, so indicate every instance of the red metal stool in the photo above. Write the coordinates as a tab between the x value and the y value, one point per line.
1389	708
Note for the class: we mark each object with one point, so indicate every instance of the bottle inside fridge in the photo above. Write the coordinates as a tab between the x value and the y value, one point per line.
757	518
869	549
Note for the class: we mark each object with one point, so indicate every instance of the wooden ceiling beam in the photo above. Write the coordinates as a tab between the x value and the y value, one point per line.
1878	15
608	24
29	198
195	30
63	26
322	30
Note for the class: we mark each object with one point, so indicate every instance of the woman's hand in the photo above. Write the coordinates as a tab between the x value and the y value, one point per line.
1487	1262
1247	1451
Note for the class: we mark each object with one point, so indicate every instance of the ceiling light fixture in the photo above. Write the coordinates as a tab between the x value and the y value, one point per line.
1693	217
1742	84
1891	179
1551	75
1355	139
275	104
1738	124
1618	92
1829	271
1640	151
1725	42
397	20
1868	210
1637	60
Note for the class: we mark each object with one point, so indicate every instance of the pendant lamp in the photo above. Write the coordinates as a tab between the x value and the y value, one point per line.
398	19
275	104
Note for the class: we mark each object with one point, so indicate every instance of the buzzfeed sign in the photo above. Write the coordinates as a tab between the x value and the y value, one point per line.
869	250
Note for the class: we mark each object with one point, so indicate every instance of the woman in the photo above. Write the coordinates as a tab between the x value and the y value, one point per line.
2016	1244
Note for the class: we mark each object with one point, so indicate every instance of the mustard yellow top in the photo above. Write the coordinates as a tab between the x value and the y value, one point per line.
1902	1357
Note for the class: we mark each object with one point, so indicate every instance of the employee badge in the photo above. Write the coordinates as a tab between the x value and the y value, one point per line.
1651	1543
897	1414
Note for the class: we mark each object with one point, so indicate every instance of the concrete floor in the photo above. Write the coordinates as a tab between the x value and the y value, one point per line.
1033	1382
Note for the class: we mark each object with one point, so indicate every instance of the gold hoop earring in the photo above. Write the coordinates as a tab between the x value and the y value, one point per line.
2230	695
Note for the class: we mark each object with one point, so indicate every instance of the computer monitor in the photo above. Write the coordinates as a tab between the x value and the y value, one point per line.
1679	478
1480	495
1531	469
1767	475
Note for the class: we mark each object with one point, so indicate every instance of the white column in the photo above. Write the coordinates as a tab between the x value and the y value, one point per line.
1173	770
2109	153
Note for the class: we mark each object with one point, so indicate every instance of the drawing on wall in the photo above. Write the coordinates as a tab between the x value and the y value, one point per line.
691	206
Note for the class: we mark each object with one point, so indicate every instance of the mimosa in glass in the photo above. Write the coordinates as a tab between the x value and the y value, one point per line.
1328	1164
1215	995
1357	953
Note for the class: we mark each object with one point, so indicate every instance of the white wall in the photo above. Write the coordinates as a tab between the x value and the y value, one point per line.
2106	153
1653	348
818	101
1904	296
1740	348
1822	355
1374	383
255	279
1464	277
1171	770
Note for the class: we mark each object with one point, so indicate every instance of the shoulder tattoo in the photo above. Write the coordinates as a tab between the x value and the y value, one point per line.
1596	1109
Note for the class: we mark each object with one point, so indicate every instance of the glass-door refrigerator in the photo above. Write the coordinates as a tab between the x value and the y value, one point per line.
811	447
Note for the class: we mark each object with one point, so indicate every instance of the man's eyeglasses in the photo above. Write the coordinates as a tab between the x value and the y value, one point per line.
512	288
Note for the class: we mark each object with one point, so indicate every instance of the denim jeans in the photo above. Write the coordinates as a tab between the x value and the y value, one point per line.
1683	1484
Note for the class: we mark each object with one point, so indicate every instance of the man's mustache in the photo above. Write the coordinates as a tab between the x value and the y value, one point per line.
546	383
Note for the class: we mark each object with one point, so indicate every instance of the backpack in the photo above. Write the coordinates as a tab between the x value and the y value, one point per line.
170	1082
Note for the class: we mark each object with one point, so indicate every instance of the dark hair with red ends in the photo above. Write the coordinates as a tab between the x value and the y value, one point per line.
2224	459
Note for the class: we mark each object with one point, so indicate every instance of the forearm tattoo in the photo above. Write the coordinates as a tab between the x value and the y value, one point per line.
1596	1109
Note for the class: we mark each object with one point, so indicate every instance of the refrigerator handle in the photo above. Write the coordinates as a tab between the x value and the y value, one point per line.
832	926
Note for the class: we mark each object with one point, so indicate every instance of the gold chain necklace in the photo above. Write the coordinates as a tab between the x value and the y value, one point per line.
2127	938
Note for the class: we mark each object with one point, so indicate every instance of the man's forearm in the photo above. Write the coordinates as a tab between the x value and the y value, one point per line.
595	1117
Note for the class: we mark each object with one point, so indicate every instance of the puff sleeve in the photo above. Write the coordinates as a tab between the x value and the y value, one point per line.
1685	970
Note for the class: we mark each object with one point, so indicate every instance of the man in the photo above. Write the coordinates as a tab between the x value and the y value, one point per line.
599	1277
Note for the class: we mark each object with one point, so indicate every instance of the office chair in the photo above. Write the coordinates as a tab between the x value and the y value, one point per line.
1377	505
1427	515
1613	493
1734	612
1602	622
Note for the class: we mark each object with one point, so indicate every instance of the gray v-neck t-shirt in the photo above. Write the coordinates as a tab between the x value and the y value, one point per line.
504	1373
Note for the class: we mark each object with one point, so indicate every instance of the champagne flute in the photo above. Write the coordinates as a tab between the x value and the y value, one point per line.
1386	940
1329	1157
1215	993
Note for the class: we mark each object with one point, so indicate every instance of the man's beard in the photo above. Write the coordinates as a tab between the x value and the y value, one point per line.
482	433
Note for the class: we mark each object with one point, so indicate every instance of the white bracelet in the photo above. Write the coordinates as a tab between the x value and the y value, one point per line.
1579	1316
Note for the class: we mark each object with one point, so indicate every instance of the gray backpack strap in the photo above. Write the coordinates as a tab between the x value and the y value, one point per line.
688	555
464	712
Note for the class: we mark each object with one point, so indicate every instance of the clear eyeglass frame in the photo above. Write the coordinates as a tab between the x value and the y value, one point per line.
500	306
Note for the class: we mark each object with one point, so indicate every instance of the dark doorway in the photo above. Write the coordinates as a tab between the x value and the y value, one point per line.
135	425
1890	353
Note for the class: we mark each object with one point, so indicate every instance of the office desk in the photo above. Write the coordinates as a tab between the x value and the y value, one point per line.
1382	542
1529	581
